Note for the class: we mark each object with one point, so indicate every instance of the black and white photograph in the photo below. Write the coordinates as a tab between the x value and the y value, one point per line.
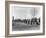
24	18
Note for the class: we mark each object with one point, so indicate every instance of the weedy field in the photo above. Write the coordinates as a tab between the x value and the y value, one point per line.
19	26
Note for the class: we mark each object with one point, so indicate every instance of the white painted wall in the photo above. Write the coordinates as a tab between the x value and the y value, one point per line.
2	19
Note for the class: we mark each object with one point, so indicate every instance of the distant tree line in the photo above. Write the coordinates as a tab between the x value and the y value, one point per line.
29	21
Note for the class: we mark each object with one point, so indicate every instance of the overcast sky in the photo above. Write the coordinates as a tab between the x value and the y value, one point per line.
25	12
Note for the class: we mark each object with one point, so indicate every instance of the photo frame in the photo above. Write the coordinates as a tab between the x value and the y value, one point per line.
23	8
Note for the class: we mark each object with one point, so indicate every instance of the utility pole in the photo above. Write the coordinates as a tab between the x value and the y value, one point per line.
34	13
13	18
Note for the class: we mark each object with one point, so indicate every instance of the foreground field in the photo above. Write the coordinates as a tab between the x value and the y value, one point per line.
19	26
